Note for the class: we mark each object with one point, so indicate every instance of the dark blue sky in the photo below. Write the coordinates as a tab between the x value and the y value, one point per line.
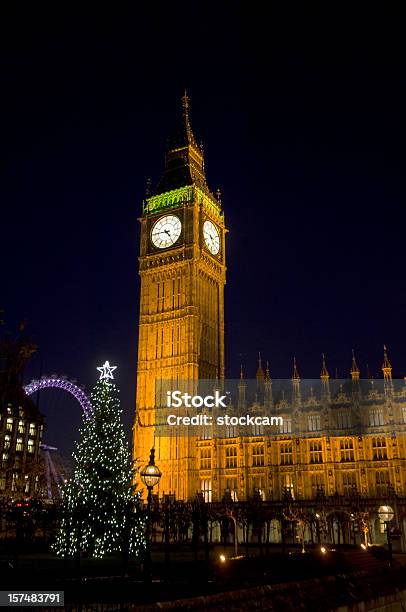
303	120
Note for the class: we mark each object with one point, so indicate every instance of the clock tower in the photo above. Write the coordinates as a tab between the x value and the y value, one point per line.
181	325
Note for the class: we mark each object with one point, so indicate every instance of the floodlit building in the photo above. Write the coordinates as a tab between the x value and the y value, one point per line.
21	424
345	439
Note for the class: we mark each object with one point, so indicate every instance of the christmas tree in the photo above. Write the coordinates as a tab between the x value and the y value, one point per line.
100	510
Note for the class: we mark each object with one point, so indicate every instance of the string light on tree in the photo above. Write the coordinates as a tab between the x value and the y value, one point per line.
100	510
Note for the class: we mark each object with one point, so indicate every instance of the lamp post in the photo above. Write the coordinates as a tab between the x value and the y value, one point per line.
150	476
386	514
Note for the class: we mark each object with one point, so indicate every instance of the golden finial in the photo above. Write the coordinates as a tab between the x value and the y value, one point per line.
386	366
241	372
185	108
185	103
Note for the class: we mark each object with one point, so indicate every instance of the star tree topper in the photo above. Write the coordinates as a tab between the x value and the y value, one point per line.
106	371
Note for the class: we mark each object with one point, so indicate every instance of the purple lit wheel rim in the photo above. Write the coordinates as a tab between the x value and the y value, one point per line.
66	385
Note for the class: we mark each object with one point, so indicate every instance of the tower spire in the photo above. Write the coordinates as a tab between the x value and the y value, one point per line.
267	372
354	368
296	383
260	371
241	389
295	375
386	365
387	370
186	119
324	375
267	387
184	162
185	102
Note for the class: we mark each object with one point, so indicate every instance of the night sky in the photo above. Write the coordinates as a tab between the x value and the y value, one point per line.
303	120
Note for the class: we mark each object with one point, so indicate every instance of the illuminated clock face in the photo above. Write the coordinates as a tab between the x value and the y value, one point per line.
166	231
211	237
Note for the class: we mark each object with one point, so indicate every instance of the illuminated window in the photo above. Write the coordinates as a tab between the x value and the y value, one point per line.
30	446
176	289
379	448
231	485
258	455
205	458
344	420
286	426
7	442
2	483
314	422
27	484
161	296
19	444
206	433
286	452
257	430
317	481
259	486
382	482
159	343
205	487
9	409
347	450
375	417
231	431
288	486
5	458
21	427
349	483
20	412
316	451
404	414
9	424
14	481
231	457
175	339
32	429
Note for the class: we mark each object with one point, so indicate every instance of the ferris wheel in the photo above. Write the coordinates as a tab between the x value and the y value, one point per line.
53	474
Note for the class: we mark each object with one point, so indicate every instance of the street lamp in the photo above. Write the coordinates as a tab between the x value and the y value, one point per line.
386	514
150	476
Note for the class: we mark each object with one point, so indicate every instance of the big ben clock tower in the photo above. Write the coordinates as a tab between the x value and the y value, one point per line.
181	326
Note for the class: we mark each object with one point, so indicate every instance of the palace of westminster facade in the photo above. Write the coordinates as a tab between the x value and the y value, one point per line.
337	439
